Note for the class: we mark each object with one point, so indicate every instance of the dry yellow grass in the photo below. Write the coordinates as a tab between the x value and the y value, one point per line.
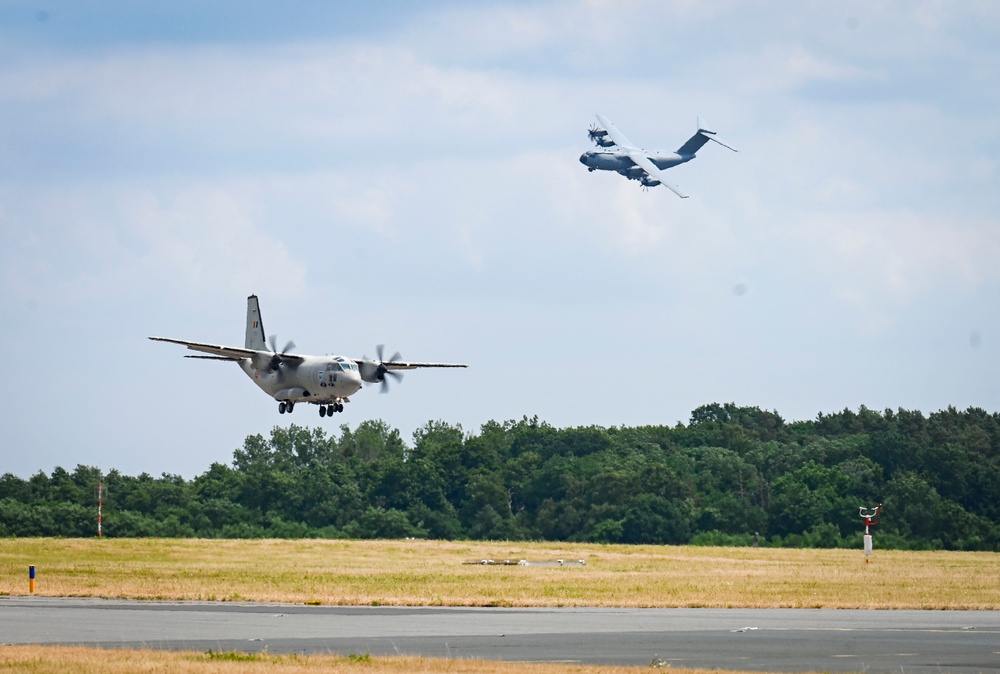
75	660
420	573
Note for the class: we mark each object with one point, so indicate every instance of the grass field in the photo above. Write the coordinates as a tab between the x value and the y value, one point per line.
74	660
421	573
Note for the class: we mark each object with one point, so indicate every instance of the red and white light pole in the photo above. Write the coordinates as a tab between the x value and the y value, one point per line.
871	517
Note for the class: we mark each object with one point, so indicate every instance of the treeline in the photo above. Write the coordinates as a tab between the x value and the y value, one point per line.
732	475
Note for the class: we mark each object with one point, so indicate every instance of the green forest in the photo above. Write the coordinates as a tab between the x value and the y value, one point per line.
730	476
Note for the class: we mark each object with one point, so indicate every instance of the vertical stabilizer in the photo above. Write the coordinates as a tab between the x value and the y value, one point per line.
695	142
255	327
702	136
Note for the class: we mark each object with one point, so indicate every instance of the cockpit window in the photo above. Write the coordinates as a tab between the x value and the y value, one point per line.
344	367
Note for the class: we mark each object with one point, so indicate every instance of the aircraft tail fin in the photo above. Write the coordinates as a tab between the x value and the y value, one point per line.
255	326
698	140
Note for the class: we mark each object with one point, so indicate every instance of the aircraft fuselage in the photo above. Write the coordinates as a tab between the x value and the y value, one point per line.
317	379
612	160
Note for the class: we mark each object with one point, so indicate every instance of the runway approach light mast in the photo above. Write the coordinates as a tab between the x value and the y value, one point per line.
871	516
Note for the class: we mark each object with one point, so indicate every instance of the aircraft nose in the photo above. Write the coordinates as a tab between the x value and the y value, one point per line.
584	157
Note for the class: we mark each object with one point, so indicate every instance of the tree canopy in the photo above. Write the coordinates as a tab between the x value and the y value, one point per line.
732	475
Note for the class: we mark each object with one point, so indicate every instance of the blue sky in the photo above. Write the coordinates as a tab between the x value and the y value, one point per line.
408	174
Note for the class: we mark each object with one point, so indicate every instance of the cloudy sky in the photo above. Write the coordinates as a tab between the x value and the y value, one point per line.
408	174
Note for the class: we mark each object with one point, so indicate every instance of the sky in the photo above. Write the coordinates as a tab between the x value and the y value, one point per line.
408	174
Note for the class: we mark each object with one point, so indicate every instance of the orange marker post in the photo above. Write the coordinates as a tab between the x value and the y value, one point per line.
31	579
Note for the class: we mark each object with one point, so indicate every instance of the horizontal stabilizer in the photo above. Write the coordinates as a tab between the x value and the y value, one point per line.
711	136
706	131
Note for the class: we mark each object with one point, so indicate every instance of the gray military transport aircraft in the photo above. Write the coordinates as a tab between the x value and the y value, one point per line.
327	381
620	155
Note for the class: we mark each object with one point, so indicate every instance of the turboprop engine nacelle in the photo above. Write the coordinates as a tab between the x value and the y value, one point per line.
372	373
600	138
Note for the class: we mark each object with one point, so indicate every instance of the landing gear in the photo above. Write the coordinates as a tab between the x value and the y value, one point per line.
328	410
285	406
281	408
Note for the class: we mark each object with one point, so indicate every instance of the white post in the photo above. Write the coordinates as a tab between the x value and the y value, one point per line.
100	504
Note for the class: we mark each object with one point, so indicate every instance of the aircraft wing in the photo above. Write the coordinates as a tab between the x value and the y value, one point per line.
616	135
227	352
403	365
399	365
638	156
642	161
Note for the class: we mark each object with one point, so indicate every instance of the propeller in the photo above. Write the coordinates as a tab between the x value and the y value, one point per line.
598	136
375	370
276	358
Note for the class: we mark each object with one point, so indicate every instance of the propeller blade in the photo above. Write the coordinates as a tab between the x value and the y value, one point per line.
276	355
373	371
385	381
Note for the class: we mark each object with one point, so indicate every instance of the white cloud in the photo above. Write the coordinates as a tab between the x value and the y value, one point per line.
210	237
85	245
883	262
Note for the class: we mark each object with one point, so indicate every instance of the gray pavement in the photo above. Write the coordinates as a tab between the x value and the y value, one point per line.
777	640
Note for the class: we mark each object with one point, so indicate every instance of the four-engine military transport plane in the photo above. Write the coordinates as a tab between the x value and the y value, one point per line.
637	164
327	381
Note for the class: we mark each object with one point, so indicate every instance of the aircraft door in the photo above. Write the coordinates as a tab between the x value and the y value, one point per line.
322	376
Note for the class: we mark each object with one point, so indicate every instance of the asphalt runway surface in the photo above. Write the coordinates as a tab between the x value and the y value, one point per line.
774	640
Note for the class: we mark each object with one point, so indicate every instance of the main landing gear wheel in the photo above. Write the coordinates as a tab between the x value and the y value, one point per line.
328	410
285	407
281	408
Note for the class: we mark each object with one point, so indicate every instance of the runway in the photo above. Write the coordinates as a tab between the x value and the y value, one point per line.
776	640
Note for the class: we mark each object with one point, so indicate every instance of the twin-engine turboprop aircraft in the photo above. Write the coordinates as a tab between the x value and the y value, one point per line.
327	381
638	164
